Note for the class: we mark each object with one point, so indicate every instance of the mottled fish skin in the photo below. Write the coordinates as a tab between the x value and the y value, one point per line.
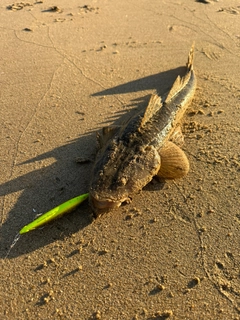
130	158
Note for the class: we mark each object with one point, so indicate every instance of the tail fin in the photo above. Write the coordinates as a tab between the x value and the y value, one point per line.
180	82
190	58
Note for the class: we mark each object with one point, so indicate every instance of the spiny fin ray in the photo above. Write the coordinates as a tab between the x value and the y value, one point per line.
154	105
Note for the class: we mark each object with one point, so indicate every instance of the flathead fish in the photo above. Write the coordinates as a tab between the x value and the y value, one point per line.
132	154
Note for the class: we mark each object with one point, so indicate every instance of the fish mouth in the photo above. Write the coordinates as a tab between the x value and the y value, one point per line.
103	205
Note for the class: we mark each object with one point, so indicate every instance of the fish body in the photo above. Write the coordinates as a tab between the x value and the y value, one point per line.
133	153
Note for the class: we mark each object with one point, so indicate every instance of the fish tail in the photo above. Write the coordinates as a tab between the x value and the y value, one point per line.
181	82
190	58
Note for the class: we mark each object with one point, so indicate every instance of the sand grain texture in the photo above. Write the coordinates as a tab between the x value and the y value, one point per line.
66	71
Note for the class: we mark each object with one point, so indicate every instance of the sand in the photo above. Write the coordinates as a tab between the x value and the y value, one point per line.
69	68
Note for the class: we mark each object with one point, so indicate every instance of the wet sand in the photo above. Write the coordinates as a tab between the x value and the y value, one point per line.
67	70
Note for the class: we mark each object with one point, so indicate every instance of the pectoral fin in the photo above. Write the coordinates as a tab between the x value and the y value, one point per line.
174	162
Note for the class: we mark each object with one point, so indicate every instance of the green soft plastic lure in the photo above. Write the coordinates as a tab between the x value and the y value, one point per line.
54	213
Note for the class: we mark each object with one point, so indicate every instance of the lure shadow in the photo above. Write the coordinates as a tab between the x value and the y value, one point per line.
45	188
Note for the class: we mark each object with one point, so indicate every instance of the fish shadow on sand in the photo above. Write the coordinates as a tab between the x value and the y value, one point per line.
43	189
159	82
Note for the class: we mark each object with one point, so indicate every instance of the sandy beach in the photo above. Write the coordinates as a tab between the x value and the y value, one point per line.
69	68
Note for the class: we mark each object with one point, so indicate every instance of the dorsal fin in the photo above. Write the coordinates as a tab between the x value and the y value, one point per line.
180	82
155	103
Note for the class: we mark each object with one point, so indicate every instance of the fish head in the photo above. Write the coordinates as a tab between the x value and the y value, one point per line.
119	172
